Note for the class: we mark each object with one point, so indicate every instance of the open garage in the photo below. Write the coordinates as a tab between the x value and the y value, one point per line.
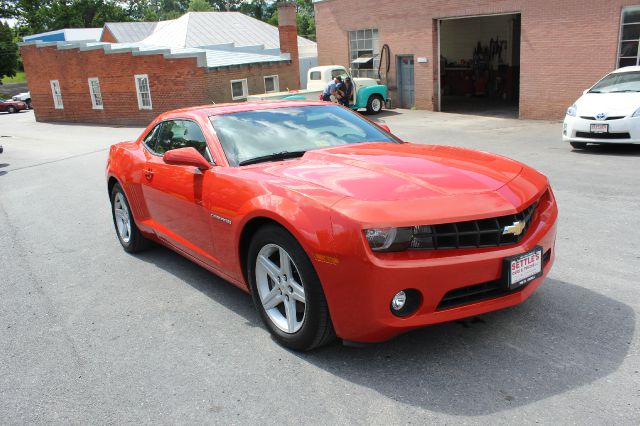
480	65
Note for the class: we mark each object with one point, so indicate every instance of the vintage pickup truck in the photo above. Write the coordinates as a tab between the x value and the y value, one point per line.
368	93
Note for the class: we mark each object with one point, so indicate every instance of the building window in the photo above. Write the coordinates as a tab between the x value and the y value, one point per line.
271	84
239	89
364	52
94	91
143	91
57	94
629	37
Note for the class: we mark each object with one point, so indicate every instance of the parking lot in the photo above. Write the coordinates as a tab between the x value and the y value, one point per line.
92	335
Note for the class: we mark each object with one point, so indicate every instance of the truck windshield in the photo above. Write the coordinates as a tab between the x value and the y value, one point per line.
278	133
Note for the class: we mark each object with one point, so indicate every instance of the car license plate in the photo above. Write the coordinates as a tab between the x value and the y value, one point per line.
599	128
524	268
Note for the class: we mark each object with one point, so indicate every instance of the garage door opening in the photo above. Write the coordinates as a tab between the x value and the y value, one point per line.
480	65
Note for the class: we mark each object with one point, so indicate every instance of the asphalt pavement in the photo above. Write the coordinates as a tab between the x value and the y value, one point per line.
92	335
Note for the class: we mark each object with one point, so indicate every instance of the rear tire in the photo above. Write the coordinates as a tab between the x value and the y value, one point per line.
578	145
374	104
286	290
127	231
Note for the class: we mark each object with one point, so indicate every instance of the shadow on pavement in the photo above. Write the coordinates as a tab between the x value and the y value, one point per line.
563	337
623	150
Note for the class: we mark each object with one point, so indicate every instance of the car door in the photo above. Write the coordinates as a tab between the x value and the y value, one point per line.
174	193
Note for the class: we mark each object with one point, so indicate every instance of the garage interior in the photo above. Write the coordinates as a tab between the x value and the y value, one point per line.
480	65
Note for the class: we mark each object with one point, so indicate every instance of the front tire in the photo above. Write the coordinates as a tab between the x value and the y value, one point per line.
12	110
578	145
374	104
129	235
287	291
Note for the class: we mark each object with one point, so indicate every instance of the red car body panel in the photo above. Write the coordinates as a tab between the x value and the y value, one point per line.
18	105
325	199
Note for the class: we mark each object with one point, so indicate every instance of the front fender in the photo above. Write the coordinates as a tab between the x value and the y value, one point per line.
364	93
307	221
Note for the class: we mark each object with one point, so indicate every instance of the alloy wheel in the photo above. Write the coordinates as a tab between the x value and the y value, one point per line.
123	220
280	288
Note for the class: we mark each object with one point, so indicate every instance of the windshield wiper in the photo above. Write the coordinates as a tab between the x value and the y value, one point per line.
623	91
283	155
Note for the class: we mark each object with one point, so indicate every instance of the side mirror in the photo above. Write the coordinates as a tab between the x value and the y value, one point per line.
384	127
188	156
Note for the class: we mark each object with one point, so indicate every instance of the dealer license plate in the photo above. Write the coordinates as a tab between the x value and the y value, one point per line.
524	268
599	128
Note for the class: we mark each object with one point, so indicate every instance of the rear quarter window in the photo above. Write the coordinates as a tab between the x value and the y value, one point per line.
315	75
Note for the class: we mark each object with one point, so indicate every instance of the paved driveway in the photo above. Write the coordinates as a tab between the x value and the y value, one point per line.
92	335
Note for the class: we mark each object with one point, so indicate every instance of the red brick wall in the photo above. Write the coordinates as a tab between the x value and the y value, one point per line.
288	33
566	45
174	83
107	36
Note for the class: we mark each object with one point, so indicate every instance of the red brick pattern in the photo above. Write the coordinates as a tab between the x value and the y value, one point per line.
174	83
566	45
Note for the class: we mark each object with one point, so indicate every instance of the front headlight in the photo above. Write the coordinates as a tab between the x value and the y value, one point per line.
636	113
389	239
572	110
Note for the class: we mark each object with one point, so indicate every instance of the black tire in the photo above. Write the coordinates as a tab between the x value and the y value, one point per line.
374	104
578	145
316	329
29	104
12	110
136	241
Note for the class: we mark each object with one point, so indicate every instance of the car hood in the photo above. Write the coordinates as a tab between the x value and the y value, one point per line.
611	104
390	172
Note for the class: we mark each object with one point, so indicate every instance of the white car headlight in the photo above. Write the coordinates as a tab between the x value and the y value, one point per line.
572	110
636	113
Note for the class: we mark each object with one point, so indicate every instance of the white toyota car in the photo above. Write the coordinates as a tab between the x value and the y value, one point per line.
608	112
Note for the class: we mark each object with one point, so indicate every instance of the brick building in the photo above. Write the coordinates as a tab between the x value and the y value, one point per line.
139	70
535	55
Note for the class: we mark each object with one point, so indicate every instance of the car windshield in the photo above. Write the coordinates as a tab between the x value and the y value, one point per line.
618	83
280	133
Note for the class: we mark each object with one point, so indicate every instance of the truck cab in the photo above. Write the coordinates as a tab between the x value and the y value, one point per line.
368	93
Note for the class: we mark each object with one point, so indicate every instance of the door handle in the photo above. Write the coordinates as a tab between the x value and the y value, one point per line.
148	173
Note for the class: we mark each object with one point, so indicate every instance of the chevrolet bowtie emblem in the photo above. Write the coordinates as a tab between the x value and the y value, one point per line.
515	229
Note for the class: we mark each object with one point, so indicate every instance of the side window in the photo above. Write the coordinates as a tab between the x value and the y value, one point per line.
152	137
315	75
176	134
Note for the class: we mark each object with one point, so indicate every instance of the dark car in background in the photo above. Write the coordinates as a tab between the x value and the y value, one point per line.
11	106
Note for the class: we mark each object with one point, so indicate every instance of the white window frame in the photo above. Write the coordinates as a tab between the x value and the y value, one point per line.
138	78
56	92
276	83
619	57
361	41
245	89
95	93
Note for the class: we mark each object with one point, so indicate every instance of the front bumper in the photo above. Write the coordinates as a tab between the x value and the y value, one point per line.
623	130
360	288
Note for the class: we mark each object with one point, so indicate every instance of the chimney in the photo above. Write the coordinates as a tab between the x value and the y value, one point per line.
288	30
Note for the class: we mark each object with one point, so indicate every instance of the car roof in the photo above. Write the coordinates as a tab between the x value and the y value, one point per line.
229	108
626	69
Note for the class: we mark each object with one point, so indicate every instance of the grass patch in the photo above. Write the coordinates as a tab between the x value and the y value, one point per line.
19	78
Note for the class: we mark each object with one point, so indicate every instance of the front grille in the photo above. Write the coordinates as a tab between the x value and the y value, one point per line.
616	117
589	135
478	292
471	234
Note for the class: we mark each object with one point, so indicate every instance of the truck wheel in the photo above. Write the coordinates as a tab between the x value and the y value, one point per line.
374	104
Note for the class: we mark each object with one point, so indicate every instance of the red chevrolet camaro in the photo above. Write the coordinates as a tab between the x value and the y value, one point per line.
335	226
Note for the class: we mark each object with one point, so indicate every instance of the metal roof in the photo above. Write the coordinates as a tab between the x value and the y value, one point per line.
199	29
127	32
208	58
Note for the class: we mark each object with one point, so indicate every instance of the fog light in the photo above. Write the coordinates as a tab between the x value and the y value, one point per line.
399	300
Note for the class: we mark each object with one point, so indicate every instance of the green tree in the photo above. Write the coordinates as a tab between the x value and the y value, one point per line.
8	52
200	6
